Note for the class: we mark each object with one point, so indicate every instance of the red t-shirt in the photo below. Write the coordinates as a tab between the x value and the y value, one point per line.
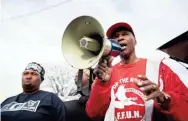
128	99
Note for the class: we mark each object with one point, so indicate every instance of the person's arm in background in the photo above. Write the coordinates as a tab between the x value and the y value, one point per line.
178	93
60	109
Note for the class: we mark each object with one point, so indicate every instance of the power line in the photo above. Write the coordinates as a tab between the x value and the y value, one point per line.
35	12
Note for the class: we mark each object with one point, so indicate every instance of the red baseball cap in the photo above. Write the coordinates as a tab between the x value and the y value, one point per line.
116	26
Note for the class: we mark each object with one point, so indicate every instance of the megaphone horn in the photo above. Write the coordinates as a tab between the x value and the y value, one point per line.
84	43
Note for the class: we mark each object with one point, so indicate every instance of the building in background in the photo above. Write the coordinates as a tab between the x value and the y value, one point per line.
177	49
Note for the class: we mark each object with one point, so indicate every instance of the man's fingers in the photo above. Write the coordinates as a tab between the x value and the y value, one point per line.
142	77
102	65
101	69
109	60
143	83
153	95
103	61
101	74
148	87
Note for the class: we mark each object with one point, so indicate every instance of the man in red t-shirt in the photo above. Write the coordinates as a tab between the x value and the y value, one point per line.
127	91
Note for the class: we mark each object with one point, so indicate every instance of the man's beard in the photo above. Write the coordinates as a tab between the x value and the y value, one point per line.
28	87
126	55
27	84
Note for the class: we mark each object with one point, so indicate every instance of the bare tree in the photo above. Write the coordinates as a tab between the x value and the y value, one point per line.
59	79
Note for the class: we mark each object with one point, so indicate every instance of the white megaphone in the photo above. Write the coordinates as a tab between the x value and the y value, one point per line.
84	43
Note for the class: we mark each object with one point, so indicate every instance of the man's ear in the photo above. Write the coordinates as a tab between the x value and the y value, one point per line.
135	42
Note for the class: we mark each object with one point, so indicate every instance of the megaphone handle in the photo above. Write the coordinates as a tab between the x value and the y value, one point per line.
80	75
90	79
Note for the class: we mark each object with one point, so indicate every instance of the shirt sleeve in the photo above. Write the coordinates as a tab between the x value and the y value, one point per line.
178	92
8	100
99	100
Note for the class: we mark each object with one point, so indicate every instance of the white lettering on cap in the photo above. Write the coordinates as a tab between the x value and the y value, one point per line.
34	66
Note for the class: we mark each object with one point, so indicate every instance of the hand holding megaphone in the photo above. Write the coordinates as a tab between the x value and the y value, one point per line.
104	68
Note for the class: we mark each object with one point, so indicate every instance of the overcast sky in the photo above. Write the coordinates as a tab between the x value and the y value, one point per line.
29	35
